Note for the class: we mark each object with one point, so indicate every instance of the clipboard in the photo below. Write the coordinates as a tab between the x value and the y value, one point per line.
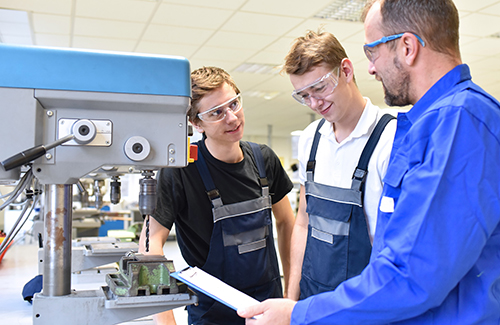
203	282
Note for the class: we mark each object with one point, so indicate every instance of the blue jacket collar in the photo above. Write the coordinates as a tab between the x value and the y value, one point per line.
455	76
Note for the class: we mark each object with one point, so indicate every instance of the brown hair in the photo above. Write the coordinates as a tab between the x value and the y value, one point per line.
312	50
203	81
435	21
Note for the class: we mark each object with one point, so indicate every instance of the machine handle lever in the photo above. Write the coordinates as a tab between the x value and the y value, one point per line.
33	153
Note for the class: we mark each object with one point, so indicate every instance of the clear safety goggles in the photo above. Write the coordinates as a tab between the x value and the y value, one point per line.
218	113
319	89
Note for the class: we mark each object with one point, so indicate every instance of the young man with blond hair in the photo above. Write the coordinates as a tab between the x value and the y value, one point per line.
341	167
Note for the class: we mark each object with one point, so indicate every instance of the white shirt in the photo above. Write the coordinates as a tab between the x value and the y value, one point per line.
335	162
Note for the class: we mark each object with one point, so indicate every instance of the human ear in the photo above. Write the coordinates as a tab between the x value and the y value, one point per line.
410	48
197	126
347	69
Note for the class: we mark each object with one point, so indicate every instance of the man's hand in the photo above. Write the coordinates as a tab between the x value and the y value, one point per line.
271	311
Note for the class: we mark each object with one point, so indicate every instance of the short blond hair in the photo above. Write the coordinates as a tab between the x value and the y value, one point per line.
311	50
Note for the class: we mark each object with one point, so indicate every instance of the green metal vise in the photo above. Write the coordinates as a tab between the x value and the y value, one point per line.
144	275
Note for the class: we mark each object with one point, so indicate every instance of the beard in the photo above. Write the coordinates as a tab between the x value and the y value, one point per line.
397	89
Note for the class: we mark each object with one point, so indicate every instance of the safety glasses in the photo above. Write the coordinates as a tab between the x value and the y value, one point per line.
373	55
319	89
218	113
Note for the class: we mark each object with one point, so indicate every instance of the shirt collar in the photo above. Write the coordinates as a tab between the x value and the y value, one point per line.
364	125
455	76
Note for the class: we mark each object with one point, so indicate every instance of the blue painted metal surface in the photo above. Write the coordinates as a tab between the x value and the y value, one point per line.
81	70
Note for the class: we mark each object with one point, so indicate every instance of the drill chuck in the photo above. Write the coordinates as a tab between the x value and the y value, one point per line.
115	194
147	196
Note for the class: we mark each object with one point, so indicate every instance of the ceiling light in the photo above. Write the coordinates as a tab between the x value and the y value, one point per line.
15	27
258	68
349	10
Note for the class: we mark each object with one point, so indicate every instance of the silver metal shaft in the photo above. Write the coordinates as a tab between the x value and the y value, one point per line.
59	142
57	246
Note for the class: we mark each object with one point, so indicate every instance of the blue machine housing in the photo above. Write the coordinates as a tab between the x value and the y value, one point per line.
81	70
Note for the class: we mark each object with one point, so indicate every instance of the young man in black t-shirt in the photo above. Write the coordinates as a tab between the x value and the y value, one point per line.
208	239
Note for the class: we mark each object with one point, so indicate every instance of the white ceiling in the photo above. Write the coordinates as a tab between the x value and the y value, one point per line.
227	33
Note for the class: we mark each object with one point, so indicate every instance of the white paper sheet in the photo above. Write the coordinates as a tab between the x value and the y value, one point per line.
214	288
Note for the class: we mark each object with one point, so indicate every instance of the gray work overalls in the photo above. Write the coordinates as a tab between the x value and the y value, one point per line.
242	251
338	245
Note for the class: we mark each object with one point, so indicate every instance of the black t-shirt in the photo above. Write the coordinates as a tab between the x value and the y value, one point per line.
182	197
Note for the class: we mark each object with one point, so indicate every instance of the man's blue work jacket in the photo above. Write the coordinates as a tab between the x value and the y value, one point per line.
436	253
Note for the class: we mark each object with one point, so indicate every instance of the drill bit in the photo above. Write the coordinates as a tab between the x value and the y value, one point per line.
147	231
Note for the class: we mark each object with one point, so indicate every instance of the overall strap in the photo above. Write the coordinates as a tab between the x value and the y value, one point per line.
359	176
261	166
212	192
311	164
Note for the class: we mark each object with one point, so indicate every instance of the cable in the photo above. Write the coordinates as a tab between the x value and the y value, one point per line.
9	237
28	232
2	196
25	180
33	205
15	229
18	204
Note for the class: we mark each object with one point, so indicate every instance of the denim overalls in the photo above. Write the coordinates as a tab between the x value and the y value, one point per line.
338	245
242	251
